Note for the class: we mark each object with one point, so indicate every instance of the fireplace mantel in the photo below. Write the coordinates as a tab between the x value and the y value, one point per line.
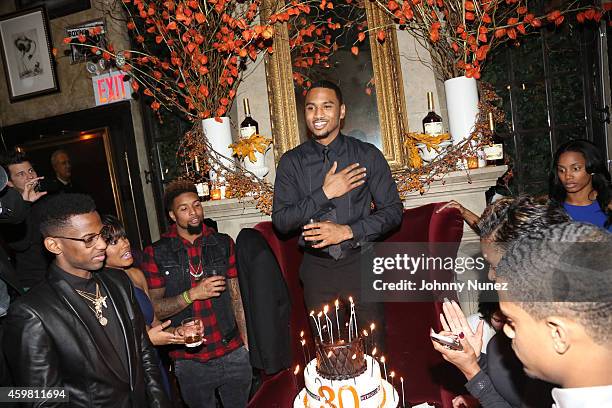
465	187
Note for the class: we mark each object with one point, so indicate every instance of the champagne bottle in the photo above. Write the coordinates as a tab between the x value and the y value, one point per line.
432	123
494	153
249	126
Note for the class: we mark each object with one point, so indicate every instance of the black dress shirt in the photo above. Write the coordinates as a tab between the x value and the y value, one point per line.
299	196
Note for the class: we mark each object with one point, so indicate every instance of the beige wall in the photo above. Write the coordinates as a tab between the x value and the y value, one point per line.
254	87
418	79
76	90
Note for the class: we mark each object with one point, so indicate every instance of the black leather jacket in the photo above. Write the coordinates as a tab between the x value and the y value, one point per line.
49	342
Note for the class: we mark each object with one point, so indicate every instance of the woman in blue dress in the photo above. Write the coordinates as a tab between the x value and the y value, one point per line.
119	256
580	182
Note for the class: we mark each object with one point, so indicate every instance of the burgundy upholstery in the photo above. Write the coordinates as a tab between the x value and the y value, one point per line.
409	350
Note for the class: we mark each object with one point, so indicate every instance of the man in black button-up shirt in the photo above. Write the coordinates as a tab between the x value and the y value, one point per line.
333	179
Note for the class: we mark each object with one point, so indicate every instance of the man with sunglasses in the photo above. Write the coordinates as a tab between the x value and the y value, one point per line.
82	330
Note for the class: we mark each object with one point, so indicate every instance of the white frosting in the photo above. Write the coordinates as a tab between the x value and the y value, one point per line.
367	390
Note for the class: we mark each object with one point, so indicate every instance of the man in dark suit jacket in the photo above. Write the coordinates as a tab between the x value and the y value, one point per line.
13	210
266	301
23	238
80	330
62	166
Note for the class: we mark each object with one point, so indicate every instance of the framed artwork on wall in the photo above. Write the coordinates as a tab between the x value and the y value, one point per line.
55	8
26	54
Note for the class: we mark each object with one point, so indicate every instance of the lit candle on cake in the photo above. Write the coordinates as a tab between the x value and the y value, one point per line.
330	329
304	353
295	373
403	400
372	326
316	324
353	316
382	360
354	378
336	303
307	349
365	343
373	360
351	320
392	375
319	326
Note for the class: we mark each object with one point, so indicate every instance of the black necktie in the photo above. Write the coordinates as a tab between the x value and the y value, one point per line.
334	250
326	161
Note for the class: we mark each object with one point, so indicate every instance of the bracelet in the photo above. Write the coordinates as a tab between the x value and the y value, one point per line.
186	297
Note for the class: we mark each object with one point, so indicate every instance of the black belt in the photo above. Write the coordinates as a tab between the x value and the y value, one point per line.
346	252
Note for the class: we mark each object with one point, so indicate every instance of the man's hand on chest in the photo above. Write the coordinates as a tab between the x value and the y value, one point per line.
338	184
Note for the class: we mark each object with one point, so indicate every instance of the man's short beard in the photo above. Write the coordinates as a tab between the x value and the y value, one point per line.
318	137
194	229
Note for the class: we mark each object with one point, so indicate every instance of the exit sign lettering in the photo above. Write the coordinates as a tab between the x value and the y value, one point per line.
110	87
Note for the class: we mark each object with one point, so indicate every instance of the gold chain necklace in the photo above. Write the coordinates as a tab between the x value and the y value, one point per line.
98	301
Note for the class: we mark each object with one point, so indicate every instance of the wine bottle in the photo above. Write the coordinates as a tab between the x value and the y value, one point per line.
249	126
202	186
203	190
494	153
432	123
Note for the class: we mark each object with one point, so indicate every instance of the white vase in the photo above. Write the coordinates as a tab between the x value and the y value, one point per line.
462	106
219	135
258	168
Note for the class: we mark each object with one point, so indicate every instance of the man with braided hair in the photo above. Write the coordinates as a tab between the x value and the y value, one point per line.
558	305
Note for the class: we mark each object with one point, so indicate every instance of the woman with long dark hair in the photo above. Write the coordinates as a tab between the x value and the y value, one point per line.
119	256
580	182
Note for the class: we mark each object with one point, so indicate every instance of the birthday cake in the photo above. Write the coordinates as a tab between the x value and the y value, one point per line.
342	375
342	360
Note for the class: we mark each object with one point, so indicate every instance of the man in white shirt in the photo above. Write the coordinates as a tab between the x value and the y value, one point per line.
558	306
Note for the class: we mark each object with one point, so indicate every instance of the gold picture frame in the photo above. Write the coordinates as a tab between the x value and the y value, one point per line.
70	143
387	76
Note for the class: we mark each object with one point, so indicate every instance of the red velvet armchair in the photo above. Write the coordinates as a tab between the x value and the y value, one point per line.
427	377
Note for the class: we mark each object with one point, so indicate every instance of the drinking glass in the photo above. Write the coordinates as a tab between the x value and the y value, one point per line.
309	244
193	331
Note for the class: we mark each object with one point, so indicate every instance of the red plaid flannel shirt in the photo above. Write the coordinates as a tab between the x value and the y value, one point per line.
214	347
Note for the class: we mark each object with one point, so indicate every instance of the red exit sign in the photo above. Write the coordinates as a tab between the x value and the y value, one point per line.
110	87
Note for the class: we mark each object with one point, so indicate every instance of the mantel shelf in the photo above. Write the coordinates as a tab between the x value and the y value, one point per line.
462	182
467	187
